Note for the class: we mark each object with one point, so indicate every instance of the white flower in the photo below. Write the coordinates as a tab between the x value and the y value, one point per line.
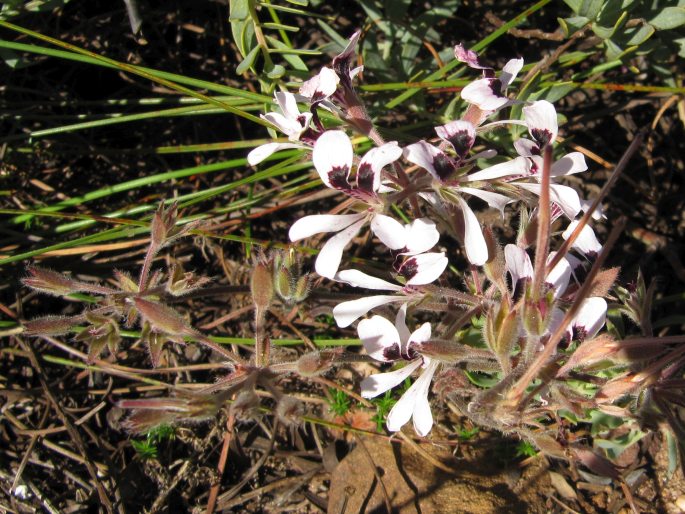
289	121
333	157
441	167
387	343
488	93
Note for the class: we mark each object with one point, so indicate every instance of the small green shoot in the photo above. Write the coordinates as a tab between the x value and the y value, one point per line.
339	402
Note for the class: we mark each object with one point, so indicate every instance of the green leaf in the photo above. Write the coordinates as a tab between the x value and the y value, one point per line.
640	35
239	10
276	72
248	61
669	18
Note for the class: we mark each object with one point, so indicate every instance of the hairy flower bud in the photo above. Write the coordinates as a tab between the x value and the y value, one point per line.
261	286
501	330
537	312
51	325
313	364
289	411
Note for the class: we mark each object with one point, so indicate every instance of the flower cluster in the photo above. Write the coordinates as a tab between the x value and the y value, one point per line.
523	307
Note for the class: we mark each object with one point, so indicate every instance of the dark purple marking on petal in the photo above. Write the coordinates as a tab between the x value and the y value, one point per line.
392	353
462	142
365	177
409	268
496	87
444	166
519	288
579	334
338	177
542	136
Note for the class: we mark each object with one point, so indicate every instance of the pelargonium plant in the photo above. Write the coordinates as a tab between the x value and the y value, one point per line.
542	359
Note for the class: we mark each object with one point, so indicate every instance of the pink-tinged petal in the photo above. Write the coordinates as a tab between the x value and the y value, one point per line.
481	93
509	72
401	326
518	166
526	148
565	197
541	118
320	86
433	160
321	223
559	276
555	322
422	416
389	231
332	158
421	236
569	164
421	334
371	165
423	268
260	153
517	263
380	339
329	258
494	200
377	384
342	60
288	126
460	134
346	313
590	318
356	71
586	242
474	242
468	57
356	278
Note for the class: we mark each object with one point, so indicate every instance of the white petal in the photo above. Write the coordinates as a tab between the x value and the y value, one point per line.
573	162
460	134
479	92
597	214
518	166
495	200
421	334
389	231
288	104
591	316
320	223
518	263
564	196
421	236
374	161
423	155
320	86
474	242
429	267
586	242
289	127
526	147
356	278
422	416
509	72
332	154
377	384
329	258
260	153
401	325
541	116
378	335
559	276
346	313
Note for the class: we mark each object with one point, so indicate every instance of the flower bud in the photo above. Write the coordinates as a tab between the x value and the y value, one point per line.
51	325
501	330
313	364
494	267
261	286
289	411
537	313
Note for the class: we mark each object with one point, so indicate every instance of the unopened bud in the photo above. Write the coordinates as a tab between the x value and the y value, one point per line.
48	281
494	267
313	364
501	330
537	313
261	286
162	318
289	411
51	325
246	405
